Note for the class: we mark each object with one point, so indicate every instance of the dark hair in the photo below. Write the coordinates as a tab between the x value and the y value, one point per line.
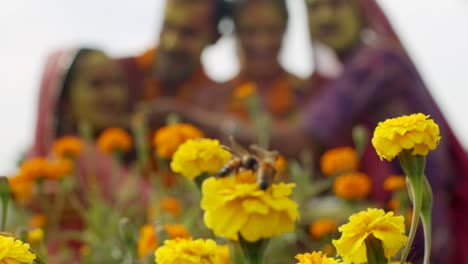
237	7
68	78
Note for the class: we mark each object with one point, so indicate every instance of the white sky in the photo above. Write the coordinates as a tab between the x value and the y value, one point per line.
433	31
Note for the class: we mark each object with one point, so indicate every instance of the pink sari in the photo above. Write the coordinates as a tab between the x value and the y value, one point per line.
92	166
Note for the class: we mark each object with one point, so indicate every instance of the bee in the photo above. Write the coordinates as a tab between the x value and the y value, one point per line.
257	159
242	159
266	165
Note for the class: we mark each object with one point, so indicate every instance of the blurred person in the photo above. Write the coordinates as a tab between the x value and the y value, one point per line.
376	81
173	67
82	85
260	27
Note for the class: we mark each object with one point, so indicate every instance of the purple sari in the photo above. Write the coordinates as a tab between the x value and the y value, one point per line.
379	81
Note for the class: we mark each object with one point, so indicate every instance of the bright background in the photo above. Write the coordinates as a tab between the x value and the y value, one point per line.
433	31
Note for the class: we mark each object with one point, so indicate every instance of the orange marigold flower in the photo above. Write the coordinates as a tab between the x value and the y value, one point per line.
37	221
171	205
145	61
167	139
148	241
22	188
67	147
114	140
59	169
395	183
35	169
351	186
174	231
281	164
245	90
322	228
338	160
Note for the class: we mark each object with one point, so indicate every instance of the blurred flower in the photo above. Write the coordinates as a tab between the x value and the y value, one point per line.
328	249
85	250
236	205
114	140
315	258
21	188
343	159
60	168
386	227
322	228
393	205
245	90
171	206
35	169
35	236
282	98
186	251
222	255
395	183
352	186
195	157
281	165
67	147
174	231
167	139
415	132
148	241
37	221
14	251
145	61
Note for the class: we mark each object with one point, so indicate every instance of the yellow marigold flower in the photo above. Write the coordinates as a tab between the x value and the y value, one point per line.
167	139
37	221
114	140
245	90
148	241
35	169
395	183
338	160
222	256
22	188
315	258
352	186
60	168
186	251
195	157
174	231
321	228
386	227
236	205
14	251
416	132
171	205
35	236
67	147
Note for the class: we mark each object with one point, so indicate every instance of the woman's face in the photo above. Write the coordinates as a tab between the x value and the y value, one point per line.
260	30
98	92
335	23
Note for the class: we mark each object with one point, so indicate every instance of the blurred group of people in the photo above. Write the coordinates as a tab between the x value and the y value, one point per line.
362	76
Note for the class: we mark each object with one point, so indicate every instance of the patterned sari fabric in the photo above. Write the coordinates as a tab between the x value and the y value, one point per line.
379	81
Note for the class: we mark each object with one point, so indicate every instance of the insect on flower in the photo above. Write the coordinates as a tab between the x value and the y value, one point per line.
257	159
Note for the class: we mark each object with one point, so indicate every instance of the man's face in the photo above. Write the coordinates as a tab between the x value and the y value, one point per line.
187	29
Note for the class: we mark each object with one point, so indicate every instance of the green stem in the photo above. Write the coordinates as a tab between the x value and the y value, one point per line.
374	250
5	193
426	210
253	251
413	166
4	213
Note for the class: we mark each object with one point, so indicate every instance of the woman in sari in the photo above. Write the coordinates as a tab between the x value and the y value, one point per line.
82	86
378	81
